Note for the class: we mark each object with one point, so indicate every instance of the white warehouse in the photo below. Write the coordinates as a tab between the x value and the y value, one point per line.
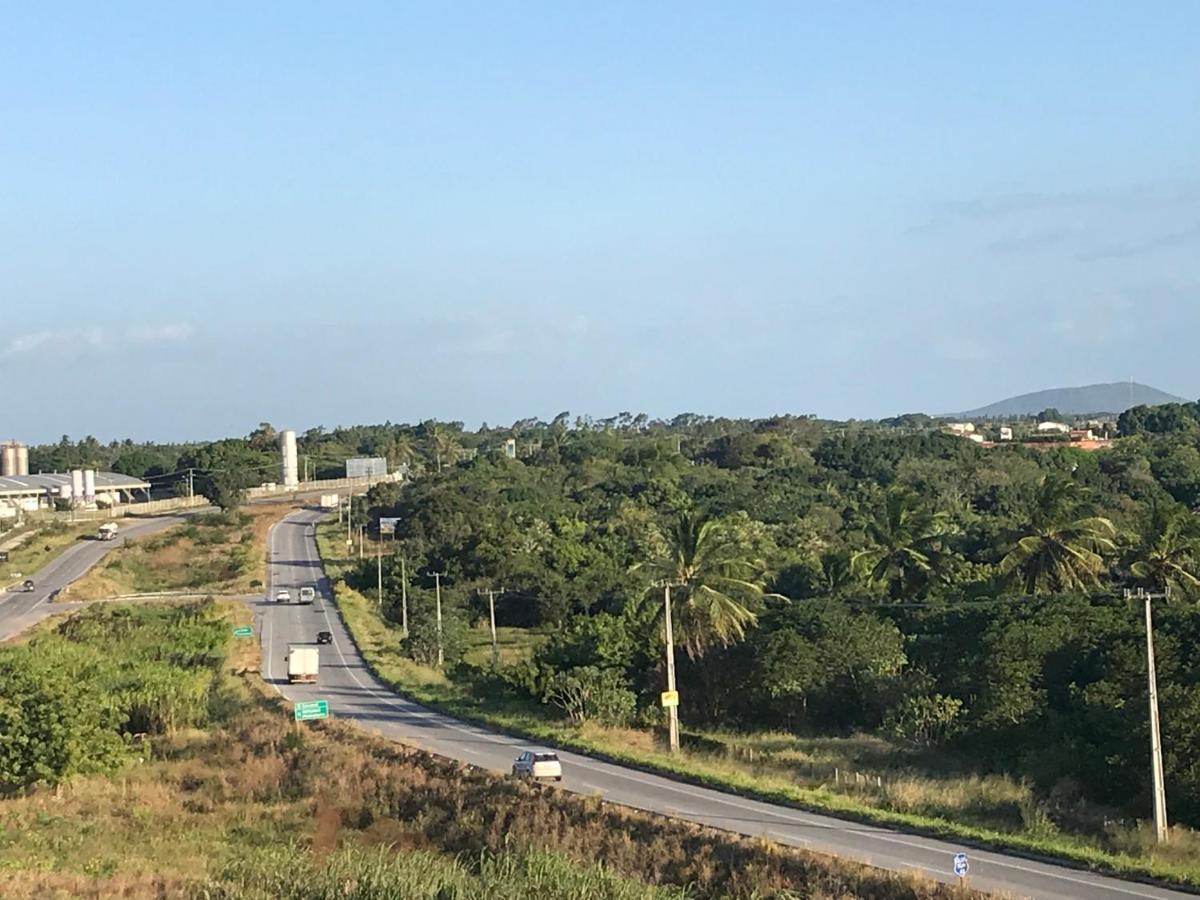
83	487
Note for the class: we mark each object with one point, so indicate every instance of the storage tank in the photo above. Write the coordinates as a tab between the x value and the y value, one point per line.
64	492
77	484
89	485
8	460
287	453
22	459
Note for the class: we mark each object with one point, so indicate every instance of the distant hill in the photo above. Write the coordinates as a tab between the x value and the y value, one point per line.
1094	398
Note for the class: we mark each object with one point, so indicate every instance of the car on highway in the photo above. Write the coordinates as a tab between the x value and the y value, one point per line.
324	637
538	765
283	597
27	587
307	595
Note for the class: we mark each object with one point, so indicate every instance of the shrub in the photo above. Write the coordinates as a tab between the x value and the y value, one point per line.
591	694
924	720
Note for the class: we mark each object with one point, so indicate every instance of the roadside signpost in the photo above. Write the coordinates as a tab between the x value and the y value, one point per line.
960	866
312	709
243	631
387	525
670	698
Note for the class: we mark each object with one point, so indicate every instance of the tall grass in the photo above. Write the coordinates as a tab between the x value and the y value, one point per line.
381	874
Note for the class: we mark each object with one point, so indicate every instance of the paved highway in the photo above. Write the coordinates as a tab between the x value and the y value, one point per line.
19	610
354	694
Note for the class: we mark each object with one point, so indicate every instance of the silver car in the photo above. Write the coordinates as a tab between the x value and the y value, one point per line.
538	765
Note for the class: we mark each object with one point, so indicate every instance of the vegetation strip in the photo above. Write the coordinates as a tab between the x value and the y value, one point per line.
361	615
176	778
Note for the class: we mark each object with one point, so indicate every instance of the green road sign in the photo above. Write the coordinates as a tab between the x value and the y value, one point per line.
314	709
244	631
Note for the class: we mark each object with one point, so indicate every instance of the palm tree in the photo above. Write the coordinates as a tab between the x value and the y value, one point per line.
1059	552
716	586
909	553
401	450
1168	553
446	447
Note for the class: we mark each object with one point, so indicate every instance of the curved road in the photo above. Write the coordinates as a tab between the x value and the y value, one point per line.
353	693
19	610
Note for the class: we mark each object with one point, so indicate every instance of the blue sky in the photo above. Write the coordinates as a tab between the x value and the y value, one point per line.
326	214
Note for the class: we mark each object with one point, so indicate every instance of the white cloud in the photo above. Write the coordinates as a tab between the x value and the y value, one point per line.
96	337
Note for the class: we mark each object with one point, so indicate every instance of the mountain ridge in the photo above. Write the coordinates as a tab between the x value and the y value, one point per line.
1115	397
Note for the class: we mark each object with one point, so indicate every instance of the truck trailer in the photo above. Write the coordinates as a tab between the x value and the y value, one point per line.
303	661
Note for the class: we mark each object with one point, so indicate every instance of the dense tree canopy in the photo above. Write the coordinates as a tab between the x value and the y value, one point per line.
882	576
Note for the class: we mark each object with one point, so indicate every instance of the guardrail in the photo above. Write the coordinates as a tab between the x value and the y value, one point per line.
315	487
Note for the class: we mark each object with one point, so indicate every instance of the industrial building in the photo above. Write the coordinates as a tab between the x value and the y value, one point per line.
82	488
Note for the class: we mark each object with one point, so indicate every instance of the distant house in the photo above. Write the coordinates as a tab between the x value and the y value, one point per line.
1053	428
1006	433
961	428
977	438
1082	434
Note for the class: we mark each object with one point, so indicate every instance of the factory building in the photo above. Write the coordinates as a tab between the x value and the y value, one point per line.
85	488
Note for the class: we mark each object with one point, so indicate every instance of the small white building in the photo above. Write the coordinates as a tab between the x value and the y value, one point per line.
1006	433
1053	428
961	428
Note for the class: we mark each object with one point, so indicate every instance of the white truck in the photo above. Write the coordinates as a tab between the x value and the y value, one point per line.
107	532
303	661
307	594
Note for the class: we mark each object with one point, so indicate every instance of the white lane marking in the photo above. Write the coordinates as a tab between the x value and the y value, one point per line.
719	799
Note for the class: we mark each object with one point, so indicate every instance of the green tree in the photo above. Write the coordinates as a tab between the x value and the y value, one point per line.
909	553
51	725
1059	552
716	584
589	693
1168	550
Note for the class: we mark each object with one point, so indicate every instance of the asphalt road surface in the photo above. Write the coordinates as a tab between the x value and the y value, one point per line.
20	610
354	694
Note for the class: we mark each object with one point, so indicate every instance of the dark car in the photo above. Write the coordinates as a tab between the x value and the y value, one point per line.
324	637
27	586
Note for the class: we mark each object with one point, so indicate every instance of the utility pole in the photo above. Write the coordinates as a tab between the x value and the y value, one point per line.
191	487
349	510
403	596
492	615
379	571
437	580
361	529
673	708
1156	762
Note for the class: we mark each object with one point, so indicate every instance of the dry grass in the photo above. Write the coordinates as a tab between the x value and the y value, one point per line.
41	548
208	553
161	828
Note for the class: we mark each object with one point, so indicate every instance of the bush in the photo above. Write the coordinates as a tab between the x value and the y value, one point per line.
924	720
421	644
591	694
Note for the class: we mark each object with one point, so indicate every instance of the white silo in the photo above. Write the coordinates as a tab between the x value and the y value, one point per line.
22	459
8	460
287	454
77	485
89	485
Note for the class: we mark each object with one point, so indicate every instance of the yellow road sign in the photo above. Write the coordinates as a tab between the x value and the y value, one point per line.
670	698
